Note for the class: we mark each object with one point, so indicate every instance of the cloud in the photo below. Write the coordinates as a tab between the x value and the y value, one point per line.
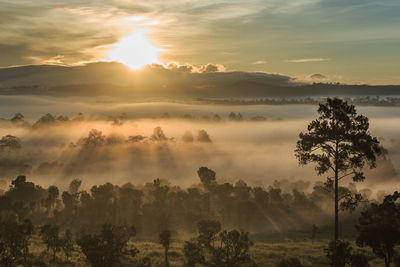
189	68
57	60
212	68
259	62
318	76
79	30
306	60
175	66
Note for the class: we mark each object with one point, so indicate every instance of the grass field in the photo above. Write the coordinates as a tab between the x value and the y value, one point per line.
264	254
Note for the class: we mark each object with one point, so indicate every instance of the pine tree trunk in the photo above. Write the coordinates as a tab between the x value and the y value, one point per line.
336	238
336	207
166	258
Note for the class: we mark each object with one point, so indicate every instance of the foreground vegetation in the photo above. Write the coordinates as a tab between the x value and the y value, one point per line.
264	254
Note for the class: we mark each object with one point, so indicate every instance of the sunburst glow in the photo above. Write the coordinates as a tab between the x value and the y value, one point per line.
135	51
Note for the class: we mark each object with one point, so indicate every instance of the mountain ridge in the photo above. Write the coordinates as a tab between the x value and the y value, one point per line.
116	79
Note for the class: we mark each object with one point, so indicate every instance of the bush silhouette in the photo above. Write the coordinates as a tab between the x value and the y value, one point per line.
214	247
108	247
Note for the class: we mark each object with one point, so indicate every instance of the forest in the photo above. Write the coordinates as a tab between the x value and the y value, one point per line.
213	221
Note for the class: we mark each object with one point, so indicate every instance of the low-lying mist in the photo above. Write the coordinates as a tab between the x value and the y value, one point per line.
127	148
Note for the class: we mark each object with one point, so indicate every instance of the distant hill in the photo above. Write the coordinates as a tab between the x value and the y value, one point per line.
115	79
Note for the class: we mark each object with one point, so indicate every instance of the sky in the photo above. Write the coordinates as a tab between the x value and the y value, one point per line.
348	41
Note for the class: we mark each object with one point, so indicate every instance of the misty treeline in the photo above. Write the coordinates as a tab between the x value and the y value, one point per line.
39	157
49	119
155	206
14	159
102	222
111	212
357	100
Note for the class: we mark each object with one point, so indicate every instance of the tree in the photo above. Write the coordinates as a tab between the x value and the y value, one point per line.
338	253
10	143
379	227
25	196
14	242
18	117
165	240
158	135
67	244
338	141
52	197
50	236
74	186
234	249
235	117
193	253
203	136
95	138
207	177
208	230
214	247
108	247
47	119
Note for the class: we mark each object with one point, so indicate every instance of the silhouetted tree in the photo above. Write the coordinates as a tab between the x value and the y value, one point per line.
193	253
10	143
67	244
226	249
50	236
338	253
208	230
234	249
52	197
95	138
158	135
379	227
26	197
235	117
14	242
203	136
74	186
47	119
207	177
18	117
108	247
165	240
338	141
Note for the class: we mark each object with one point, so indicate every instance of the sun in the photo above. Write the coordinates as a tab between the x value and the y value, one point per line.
135	51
